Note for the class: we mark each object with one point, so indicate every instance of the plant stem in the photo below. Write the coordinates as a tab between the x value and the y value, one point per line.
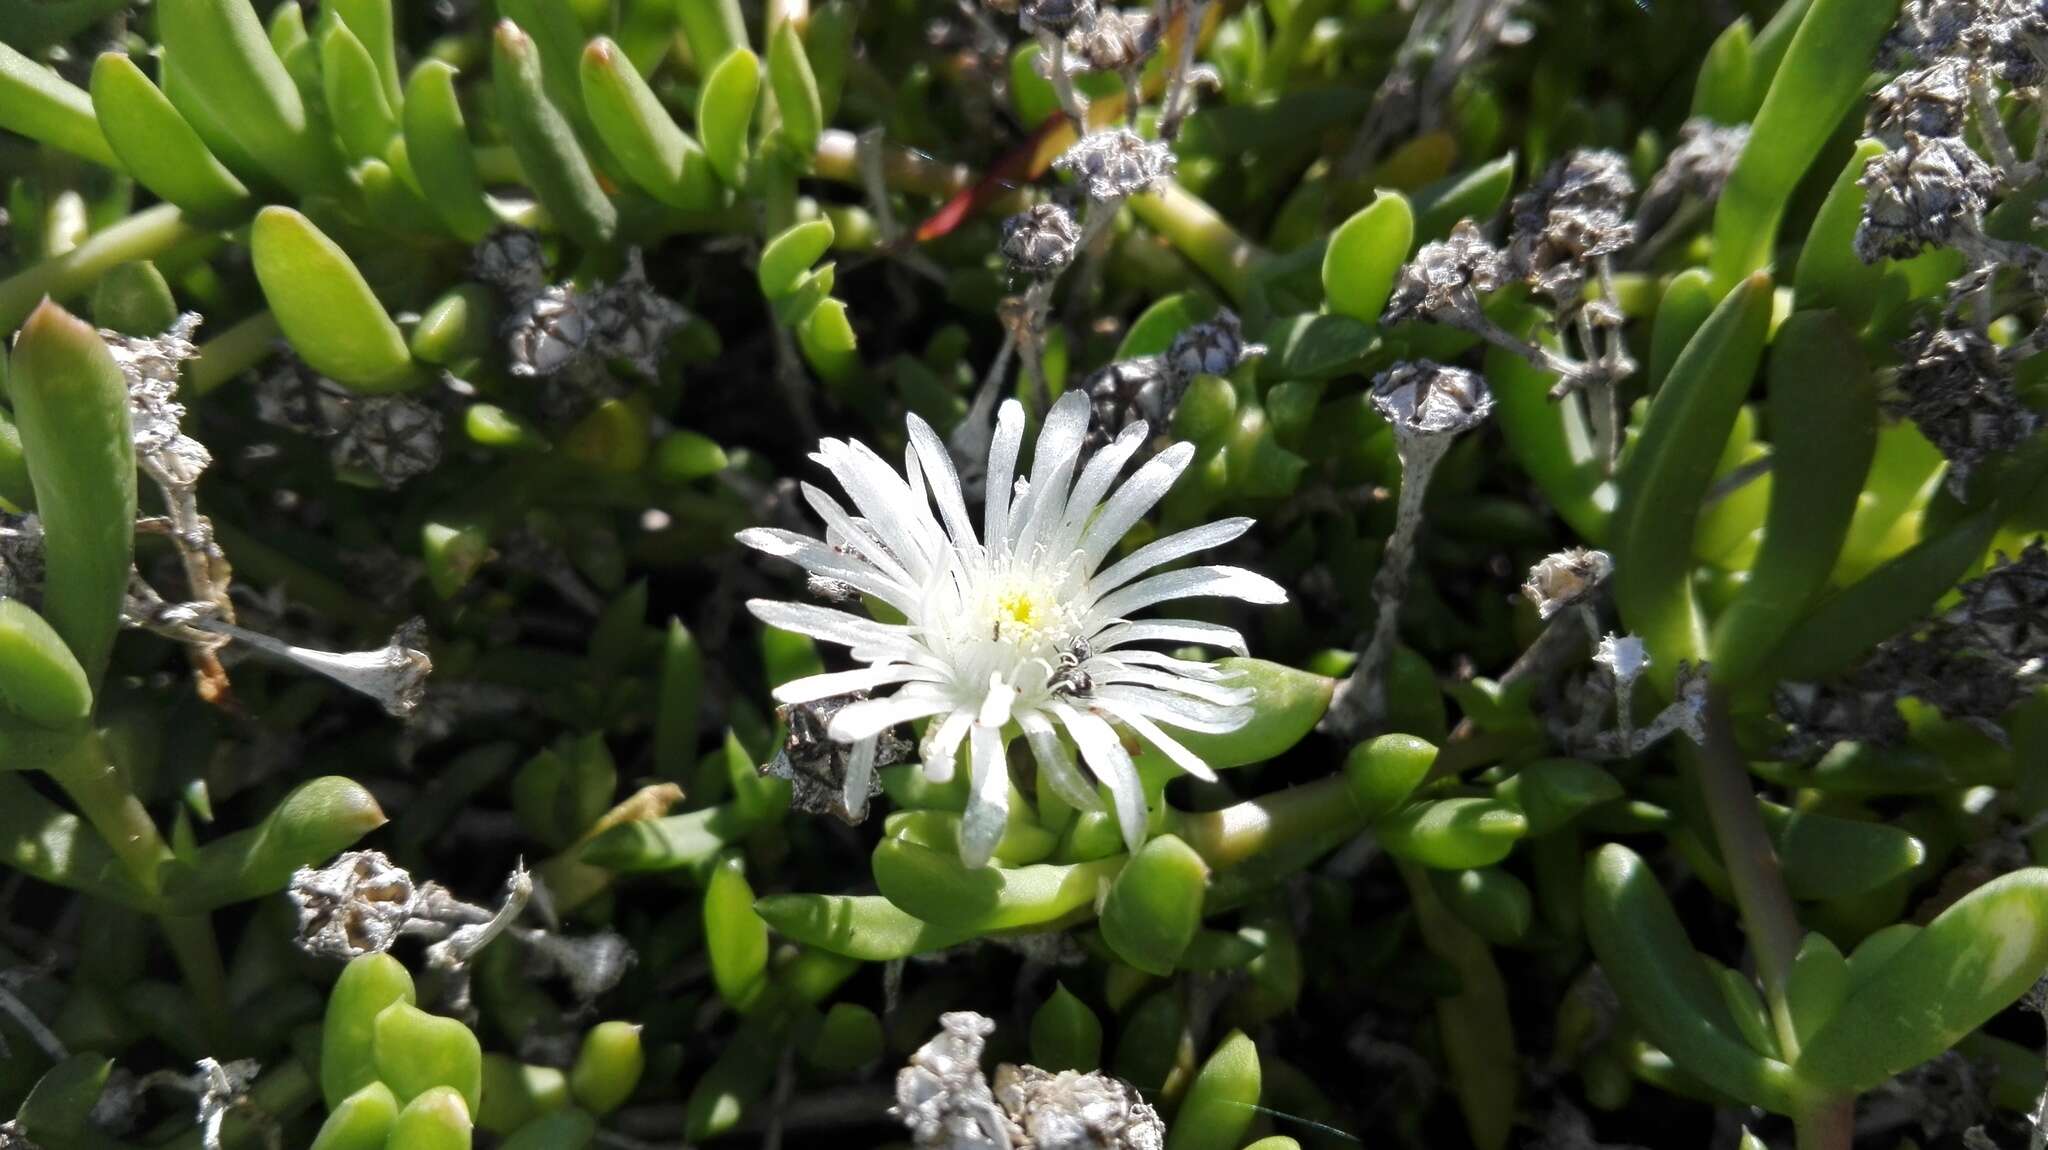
144	235
103	796
1203	236
1768	916
233	352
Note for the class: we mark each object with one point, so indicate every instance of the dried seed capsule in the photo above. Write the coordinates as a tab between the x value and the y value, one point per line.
1129	393
629	320
1070	1110
942	1095
297	398
1926	192
1931	101
1214	347
1039	241
1114	164
550	332
1117	40
1956	390
391	437
511	260
2005	610
1698	167
1577	213
1058	17
1425	400
1444	281
353	906
1566	578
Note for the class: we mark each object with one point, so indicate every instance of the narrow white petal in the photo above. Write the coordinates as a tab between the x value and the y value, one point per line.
944	480
1188	583
1103	468
1053	461
942	744
861	537
1206	672
988	802
811	688
1163	551
1125	632
1139	494
1221	694
825	623
1056	762
870	717
1177	710
1109	761
819	559
995	706
1002	472
1183	758
860	772
883	498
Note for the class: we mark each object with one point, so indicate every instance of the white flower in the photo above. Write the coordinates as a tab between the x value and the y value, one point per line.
1020	629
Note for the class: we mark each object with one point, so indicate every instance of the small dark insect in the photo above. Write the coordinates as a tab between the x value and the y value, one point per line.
1070	679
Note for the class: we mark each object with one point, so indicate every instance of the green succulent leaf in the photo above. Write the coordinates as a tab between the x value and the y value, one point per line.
362	1121
1154	905
725	112
40	679
1287	703
1364	256
157	146
325	307
1971	962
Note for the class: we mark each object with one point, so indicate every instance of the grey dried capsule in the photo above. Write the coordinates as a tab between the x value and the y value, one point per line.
942	1095
2009	39
1566	578
2005	610
1129	392
1116	164
1424	399
1074	1111
392	437
1698	166
1213	347
1930	101
1444	281
1927	29
1923	193
1118	40
353	906
1058	17
1039	241
21	556
629	320
1577	213
550	332
1858	709
297	398
1953	386
817	766
511	260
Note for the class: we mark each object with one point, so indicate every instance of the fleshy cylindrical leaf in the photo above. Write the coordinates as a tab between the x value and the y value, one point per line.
366	987
417	1052
554	162
324	305
40	679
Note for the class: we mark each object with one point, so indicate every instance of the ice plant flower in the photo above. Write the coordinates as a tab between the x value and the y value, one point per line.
1020	628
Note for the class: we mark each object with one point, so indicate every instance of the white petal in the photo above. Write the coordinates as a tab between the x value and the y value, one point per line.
819	559
941	744
988	803
1177	710
1208	692
884	499
1002	471
1162	551
870	717
1125	632
811	688
1112	764
1053	461
825	623
860	535
1056	762
1183	758
944	480
1206	672
995	706
1103	468
1188	583
1130	503
860	771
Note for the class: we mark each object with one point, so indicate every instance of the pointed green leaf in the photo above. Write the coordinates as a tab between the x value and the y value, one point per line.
1286	704
725	111
658	155
795	88
1971	962
367	986
325	307
38	103
40	679
1365	255
356	99
156	144
554	163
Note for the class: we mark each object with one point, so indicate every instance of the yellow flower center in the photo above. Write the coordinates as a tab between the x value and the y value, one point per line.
1022	612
